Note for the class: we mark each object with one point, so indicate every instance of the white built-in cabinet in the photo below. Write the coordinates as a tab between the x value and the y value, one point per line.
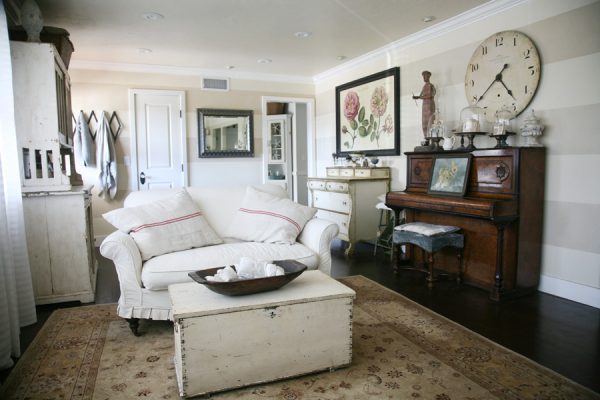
57	210
58	227
42	95
348	196
278	152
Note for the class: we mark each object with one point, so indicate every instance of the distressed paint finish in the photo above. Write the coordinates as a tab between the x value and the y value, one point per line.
224	342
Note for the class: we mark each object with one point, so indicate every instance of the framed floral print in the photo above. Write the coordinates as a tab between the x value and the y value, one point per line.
368	115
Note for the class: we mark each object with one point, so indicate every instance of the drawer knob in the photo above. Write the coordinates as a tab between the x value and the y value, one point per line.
345	203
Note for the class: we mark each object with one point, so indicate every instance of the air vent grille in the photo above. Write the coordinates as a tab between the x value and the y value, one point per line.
221	84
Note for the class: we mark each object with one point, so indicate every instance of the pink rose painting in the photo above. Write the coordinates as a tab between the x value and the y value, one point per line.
368	114
351	105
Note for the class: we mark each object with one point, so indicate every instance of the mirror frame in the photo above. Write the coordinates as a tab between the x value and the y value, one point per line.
212	112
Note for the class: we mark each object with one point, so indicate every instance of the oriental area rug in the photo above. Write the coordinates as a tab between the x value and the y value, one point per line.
401	350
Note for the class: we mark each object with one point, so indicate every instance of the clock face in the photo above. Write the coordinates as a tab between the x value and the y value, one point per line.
504	71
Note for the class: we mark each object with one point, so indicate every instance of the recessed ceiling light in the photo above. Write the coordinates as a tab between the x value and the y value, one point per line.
230	66
144	50
302	34
428	19
152	16
341	58
264	61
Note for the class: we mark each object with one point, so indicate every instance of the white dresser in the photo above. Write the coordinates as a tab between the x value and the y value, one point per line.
347	196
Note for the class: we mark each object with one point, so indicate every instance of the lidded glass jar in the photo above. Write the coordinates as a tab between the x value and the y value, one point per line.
472	119
503	122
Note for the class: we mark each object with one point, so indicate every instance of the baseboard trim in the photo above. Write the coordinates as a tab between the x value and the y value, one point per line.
569	290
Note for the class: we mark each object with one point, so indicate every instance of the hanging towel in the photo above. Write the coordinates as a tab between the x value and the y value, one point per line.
106	159
83	144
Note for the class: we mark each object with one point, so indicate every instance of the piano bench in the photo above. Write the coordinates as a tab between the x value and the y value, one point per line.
430	244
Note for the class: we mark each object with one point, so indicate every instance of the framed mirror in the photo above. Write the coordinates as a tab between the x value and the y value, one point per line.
225	133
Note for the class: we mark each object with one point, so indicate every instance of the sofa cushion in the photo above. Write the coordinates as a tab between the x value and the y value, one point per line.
167	225
162	271
263	217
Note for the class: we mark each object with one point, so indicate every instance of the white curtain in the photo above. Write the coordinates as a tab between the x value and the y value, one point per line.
17	306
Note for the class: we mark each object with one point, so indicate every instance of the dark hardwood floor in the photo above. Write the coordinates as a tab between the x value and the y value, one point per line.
557	333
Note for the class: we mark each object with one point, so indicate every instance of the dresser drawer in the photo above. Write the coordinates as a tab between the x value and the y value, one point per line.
317	185
333	172
337	186
347	172
342	220
332	201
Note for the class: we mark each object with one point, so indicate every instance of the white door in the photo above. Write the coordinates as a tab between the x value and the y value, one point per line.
159	150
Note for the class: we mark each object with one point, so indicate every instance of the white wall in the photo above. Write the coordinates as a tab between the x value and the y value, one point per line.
108	90
567	35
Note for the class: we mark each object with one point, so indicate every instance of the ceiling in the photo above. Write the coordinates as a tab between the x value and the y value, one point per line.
222	35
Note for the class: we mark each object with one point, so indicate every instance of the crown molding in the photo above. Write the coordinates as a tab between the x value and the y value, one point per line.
189	71
451	24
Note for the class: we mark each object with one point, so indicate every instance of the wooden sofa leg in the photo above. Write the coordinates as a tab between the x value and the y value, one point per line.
134	324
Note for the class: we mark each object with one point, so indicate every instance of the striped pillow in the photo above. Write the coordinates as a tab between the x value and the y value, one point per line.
269	219
165	226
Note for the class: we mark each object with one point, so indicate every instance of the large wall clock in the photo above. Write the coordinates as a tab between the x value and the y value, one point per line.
504	71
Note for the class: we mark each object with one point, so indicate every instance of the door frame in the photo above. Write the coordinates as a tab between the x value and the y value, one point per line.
133	166
311	139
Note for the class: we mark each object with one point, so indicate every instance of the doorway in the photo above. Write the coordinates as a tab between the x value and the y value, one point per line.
158	139
299	112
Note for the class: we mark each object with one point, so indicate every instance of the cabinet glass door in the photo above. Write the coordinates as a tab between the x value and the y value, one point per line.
276	142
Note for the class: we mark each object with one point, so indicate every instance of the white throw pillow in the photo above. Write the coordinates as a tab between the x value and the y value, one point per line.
269	219
164	226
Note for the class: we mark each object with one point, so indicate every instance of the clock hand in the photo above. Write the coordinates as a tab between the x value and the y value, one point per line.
498	78
507	89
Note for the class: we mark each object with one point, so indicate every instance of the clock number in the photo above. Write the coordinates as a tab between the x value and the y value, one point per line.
475	100
499	41
532	68
514	41
527	54
484	50
514	106
472	83
525	89
474	67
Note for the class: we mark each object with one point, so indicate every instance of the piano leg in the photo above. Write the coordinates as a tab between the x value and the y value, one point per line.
499	275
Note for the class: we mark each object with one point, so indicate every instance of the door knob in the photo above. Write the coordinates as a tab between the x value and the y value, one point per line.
142	178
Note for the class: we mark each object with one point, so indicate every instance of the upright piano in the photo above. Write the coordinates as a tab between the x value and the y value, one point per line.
501	216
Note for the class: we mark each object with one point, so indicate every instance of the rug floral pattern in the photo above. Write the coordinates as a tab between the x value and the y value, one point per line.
400	351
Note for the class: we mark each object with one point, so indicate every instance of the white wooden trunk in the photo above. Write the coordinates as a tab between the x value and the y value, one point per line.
224	342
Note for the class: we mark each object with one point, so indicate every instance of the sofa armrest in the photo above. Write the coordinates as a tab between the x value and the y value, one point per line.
124	253
317	235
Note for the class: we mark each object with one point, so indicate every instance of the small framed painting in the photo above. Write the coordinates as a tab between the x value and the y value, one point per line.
450	174
368	115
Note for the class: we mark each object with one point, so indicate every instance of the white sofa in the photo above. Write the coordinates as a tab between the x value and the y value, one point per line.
144	285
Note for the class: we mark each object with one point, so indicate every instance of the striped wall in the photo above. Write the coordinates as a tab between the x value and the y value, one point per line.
567	35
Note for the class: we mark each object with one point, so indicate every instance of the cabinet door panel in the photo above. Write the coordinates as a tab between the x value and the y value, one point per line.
36	230
68	255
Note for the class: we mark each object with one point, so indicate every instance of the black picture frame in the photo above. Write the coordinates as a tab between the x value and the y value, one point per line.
449	174
368	115
205	149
